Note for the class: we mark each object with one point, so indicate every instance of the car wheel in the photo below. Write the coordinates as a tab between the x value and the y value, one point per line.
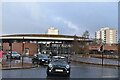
48	74
68	75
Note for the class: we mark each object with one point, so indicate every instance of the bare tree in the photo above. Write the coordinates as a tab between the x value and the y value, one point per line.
75	45
84	49
79	46
96	42
86	34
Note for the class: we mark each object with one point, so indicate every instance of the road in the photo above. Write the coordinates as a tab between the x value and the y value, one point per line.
78	70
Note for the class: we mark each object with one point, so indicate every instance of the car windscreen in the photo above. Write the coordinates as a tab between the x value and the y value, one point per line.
62	59
59	61
42	56
14	53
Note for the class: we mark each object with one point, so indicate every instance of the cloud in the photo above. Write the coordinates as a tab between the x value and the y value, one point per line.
69	24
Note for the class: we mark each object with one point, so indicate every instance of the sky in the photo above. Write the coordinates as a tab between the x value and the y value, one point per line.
69	18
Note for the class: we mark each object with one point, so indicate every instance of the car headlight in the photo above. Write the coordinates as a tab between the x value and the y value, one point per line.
67	66
43	60
50	65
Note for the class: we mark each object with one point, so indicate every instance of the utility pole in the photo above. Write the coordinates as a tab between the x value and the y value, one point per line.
10	44
102	50
23	50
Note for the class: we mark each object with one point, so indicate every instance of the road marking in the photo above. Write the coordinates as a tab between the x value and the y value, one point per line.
110	76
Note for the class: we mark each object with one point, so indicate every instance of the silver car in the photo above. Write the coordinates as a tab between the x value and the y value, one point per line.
13	55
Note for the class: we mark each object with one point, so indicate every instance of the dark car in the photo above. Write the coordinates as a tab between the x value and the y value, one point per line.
58	65
13	55
41	59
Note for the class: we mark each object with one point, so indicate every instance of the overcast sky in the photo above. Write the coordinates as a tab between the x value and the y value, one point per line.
69	17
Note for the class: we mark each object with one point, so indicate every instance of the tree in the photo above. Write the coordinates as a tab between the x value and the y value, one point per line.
86	34
79	46
84	49
75	45
96	42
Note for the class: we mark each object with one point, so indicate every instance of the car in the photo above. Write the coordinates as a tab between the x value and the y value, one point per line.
58	65
41	59
13	55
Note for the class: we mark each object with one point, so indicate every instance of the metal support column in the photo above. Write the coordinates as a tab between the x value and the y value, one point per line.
22	51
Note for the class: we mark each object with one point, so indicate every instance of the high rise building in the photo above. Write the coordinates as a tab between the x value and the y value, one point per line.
107	35
52	31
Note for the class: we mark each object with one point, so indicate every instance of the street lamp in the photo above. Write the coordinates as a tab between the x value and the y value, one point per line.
23	43
10	44
102	50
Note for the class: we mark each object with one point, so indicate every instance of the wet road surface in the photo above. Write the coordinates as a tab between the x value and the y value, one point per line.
77	71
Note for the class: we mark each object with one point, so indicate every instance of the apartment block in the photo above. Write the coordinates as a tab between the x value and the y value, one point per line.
52	31
107	35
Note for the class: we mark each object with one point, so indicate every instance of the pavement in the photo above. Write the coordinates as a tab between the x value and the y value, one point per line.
95	61
17	64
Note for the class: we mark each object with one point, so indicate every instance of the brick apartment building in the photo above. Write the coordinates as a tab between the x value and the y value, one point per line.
95	49
30	48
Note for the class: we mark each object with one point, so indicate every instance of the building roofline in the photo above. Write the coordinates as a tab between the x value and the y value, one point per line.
43	35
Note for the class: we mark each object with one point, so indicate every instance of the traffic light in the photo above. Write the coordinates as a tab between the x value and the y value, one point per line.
24	42
69	45
101	48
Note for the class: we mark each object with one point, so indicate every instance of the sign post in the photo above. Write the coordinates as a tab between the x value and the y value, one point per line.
23	50
10	44
102	49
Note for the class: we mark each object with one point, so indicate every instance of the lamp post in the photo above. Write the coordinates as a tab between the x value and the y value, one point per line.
23	43
10	44
102	50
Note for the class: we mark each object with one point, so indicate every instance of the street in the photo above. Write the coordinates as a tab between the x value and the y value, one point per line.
78	70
